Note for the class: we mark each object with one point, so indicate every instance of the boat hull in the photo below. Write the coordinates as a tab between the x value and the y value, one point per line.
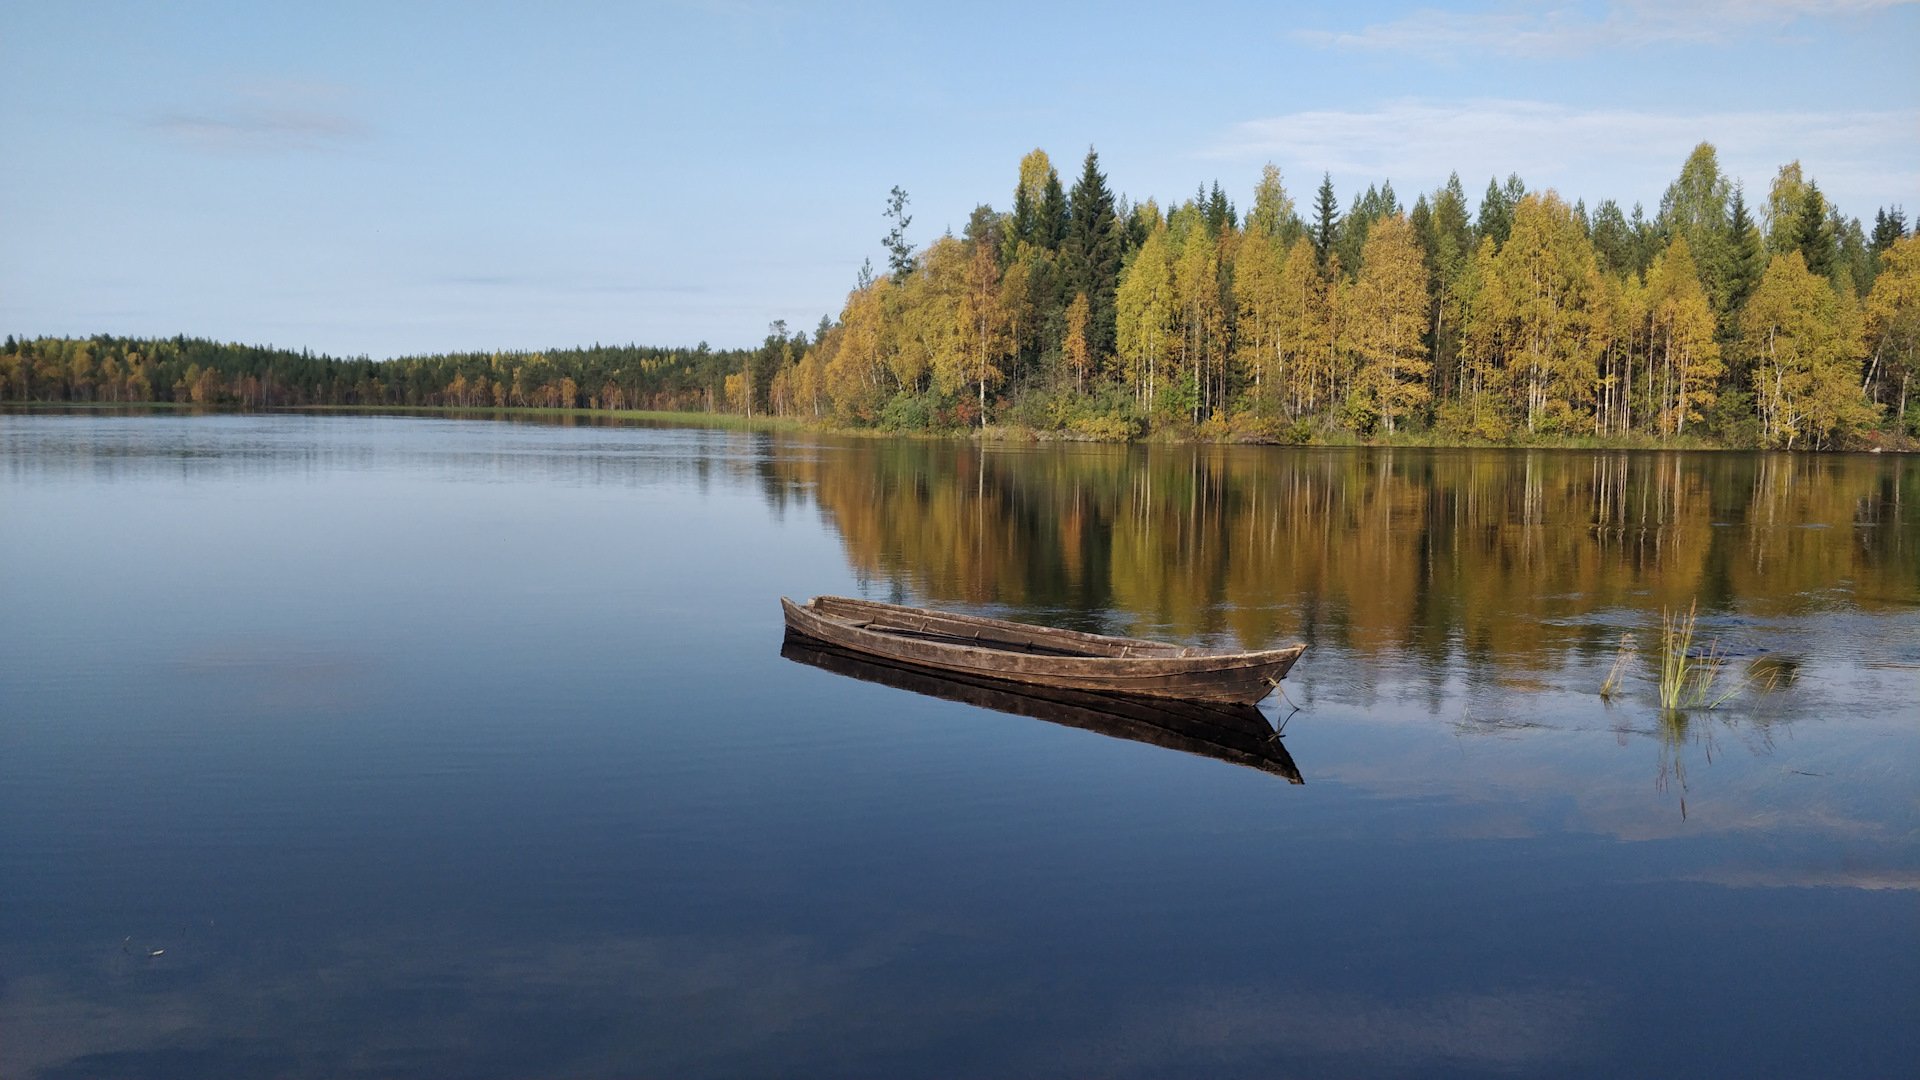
1238	734
1037	655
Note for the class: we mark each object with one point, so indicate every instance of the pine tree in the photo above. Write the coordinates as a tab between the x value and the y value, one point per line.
900	260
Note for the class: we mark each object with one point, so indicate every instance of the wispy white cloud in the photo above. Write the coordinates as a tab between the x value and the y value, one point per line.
265	118
1861	158
1565	30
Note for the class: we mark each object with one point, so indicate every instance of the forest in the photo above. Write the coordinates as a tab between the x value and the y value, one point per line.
1524	319
183	370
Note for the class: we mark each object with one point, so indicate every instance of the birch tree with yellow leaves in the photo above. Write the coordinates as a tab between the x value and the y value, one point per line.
1680	333
1798	340
1390	318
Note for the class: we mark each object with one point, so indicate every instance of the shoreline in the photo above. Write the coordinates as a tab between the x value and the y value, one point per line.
995	433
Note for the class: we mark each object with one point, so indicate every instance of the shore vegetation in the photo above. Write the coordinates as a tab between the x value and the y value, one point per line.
1519	319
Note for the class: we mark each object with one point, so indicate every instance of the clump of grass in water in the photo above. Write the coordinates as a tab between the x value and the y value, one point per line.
1683	679
1686	680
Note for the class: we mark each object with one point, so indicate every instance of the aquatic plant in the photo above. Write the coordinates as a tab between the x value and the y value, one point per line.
1687	679
1628	648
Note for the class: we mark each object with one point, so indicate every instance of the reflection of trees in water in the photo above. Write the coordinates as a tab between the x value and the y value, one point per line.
1483	553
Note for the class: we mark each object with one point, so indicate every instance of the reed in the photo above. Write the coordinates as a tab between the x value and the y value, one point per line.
1687	679
1621	660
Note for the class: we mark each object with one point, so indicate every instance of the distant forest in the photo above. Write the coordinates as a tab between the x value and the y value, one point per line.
193	370
1780	323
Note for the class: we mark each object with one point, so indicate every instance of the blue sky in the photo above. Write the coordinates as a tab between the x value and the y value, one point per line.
406	177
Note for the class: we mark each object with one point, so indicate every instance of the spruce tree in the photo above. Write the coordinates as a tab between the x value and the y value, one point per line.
1353	229
1421	218
1496	214
1856	258
1326	219
1025	216
1813	233
1646	239
1889	227
1747	259
1452	234
1220	215
1051	230
1092	251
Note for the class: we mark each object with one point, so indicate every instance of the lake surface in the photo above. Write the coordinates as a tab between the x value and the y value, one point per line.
380	746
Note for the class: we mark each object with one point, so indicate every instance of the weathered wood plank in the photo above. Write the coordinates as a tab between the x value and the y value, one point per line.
1047	656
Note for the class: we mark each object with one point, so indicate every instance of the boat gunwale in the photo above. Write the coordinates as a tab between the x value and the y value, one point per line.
1171	660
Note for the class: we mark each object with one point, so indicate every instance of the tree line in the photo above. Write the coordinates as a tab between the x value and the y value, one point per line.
1787	326
187	370
1782	324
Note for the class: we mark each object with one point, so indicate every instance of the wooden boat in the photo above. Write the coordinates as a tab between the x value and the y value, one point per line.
1239	734
1039	655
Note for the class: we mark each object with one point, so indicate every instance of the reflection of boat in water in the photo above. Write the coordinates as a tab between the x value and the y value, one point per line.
1228	732
1039	655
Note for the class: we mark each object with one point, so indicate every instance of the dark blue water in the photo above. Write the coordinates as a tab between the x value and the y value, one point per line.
383	746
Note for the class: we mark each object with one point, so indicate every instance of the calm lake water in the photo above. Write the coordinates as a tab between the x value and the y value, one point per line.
342	746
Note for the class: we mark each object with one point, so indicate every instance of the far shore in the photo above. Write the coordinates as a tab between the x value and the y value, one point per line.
994	433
